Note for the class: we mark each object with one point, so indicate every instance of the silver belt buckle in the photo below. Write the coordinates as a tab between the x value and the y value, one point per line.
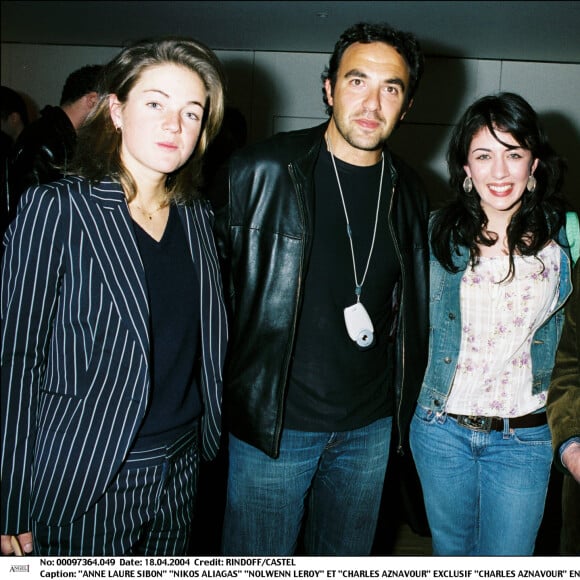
475	423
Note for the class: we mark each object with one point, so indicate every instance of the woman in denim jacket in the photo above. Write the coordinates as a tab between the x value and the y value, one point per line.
500	274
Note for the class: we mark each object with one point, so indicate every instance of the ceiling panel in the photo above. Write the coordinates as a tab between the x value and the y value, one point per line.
531	31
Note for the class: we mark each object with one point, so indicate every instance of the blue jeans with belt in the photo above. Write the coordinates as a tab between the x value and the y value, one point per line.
484	491
330	482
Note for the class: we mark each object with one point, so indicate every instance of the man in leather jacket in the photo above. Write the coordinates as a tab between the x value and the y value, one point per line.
45	147
323	239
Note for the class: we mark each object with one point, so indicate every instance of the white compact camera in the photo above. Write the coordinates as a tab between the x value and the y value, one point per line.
359	325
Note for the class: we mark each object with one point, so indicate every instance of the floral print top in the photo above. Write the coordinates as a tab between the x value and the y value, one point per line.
493	377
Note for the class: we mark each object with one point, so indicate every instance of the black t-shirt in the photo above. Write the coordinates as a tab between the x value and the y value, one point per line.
335	386
174	320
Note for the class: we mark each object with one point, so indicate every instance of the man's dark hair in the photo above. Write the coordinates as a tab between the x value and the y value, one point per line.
80	82
404	43
12	102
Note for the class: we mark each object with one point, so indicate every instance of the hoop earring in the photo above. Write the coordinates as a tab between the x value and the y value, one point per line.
532	183
467	184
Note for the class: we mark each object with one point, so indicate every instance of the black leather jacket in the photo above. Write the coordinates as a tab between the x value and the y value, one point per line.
264	234
43	150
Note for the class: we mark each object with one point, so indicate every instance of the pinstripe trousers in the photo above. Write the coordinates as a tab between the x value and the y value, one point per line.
146	511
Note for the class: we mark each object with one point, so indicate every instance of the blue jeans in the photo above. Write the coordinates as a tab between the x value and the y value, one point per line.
484	492
331	482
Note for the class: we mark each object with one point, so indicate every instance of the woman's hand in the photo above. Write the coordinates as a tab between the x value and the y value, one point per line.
20	545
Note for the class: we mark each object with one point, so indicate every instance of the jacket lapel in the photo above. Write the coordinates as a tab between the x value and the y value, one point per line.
112	237
199	235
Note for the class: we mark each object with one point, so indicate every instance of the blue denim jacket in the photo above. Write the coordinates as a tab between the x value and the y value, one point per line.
445	331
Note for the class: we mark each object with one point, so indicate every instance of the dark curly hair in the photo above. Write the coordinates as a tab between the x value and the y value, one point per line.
404	43
97	153
542	212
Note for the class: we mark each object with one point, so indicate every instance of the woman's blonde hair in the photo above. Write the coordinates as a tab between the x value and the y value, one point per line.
98	151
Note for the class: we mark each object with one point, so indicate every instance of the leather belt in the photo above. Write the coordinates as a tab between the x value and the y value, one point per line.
487	424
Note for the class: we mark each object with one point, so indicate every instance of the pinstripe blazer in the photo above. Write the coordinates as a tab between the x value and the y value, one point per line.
75	346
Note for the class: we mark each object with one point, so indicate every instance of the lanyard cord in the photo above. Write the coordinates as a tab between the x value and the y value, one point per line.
358	285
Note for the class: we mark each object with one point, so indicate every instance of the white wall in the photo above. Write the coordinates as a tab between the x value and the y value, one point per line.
279	91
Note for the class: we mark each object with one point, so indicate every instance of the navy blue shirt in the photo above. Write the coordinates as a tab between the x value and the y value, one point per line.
173	289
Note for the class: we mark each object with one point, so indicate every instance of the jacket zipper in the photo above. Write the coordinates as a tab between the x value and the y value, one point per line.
298	293
401	314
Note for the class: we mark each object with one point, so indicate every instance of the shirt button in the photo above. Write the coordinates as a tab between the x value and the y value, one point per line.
447	360
451	316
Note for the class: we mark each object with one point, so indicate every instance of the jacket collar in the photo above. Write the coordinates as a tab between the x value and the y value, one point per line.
107	191
307	161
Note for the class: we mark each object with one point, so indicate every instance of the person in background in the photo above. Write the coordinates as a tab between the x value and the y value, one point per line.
13	113
233	135
44	150
323	242
113	321
564	419
499	277
14	117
